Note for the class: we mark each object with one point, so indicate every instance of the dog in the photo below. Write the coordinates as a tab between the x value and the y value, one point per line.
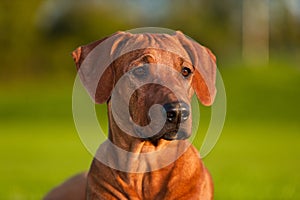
152	69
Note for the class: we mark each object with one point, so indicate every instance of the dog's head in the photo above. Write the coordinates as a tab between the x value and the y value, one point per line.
142	70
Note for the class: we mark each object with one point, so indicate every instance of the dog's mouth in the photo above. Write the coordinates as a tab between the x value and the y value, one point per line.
172	134
166	134
175	135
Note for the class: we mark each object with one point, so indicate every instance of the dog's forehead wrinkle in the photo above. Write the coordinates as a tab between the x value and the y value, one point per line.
159	41
146	57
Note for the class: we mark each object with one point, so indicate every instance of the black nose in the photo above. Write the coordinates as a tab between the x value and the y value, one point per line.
177	112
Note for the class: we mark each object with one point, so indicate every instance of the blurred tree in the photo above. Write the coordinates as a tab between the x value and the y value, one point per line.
37	37
285	27
256	31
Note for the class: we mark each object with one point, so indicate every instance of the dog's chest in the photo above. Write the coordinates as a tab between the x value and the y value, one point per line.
146	185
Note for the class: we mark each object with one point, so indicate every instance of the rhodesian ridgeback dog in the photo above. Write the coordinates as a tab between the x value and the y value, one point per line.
154	69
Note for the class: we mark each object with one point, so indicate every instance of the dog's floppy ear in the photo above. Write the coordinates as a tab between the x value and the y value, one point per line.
81	52
94	65
204	62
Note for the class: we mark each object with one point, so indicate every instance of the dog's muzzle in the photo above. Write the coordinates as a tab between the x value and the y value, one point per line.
176	113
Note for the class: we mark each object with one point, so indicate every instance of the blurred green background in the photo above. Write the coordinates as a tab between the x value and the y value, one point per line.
257	43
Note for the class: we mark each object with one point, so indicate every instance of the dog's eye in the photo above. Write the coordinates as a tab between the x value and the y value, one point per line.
140	72
185	71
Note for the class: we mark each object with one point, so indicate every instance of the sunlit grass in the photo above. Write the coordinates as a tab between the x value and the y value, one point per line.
35	156
256	161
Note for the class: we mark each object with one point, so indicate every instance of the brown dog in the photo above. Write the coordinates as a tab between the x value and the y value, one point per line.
160	69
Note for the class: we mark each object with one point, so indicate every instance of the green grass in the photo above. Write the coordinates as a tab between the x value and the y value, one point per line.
257	156
37	156
256	161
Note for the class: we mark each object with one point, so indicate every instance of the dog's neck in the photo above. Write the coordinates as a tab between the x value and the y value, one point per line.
125	152
128	142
